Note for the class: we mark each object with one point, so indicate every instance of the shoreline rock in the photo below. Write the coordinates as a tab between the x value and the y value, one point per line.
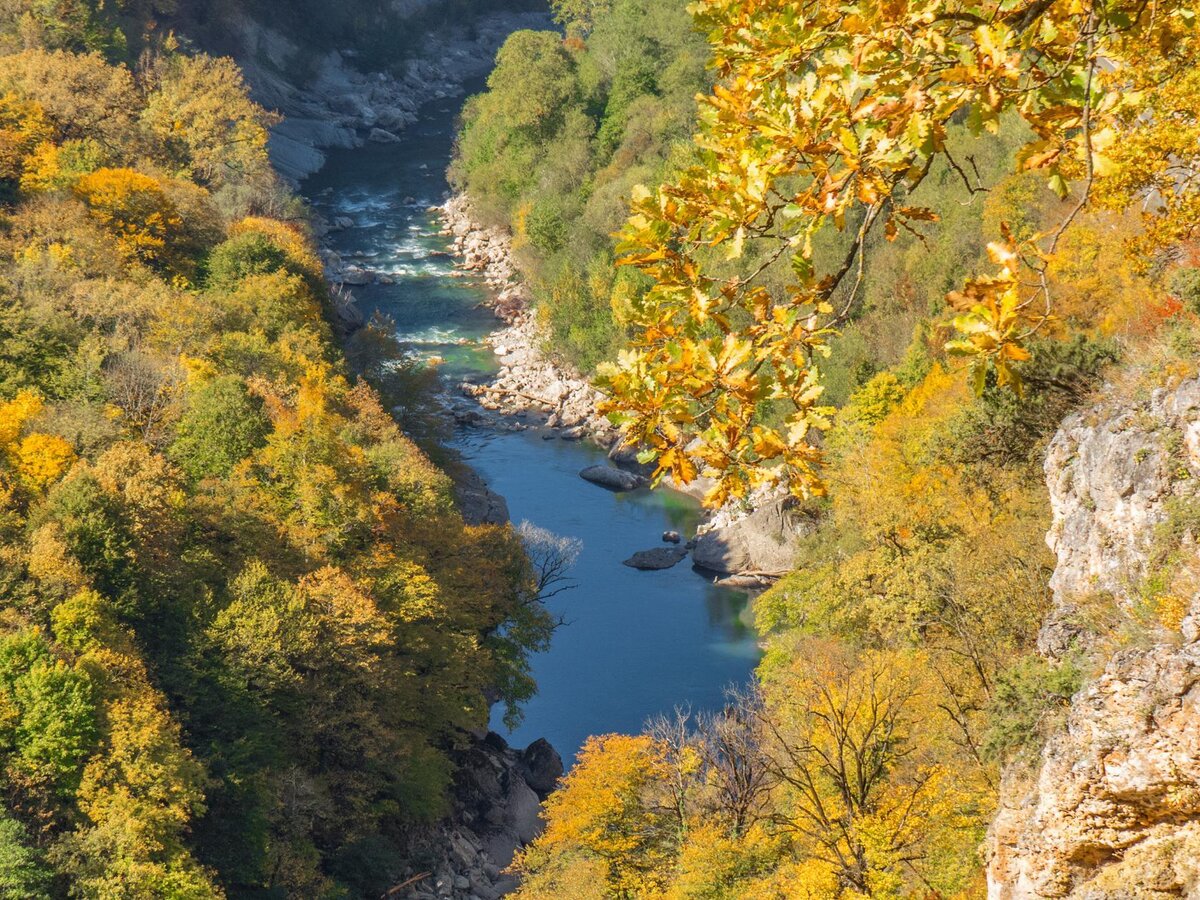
341	107
656	558
496	799
612	478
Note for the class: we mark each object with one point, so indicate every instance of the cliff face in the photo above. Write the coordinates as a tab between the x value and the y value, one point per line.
1112	808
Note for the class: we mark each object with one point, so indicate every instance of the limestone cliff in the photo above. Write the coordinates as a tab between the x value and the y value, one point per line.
1111	809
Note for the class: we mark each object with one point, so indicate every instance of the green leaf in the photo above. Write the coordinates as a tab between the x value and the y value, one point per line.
1059	185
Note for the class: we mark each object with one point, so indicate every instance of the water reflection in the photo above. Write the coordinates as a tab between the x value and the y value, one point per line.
638	643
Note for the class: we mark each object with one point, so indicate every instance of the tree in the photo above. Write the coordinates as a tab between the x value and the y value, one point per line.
829	119
134	209
222	425
23	128
866	786
603	811
580	15
81	95
23	871
202	114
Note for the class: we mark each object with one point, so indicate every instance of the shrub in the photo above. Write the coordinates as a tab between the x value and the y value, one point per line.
1027	701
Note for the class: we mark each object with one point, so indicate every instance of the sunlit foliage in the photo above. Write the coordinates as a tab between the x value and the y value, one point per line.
828	119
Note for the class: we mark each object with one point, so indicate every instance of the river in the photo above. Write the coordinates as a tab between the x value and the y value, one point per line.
635	643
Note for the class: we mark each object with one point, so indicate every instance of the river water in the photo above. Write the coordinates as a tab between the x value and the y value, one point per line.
635	643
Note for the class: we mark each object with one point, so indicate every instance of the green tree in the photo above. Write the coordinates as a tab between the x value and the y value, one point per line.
23	871
223	424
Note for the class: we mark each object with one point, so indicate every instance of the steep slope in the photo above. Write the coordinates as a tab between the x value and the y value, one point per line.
1112	809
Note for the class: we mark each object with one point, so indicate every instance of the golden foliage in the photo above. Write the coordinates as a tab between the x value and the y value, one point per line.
827	119
41	459
23	130
134	208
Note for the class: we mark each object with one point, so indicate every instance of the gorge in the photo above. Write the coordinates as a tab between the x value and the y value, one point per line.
599	450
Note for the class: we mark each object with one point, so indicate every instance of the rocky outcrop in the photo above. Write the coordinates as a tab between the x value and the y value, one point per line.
759	541
1112	472
1112	807
340	106
497	810
477	502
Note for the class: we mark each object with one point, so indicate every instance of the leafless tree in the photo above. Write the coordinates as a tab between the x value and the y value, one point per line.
551	557
144	389
735	762
678	741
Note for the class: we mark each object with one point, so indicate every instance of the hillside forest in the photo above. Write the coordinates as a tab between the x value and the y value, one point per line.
877	262
869	255
244	626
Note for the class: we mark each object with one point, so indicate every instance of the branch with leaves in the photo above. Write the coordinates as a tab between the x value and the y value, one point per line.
827	118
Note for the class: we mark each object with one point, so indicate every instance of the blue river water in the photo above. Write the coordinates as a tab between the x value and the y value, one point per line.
635	643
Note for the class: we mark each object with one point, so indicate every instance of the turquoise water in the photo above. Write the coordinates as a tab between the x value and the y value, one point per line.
635	643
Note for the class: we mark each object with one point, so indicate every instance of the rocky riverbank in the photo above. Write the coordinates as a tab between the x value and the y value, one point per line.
529	378
339	106
496	801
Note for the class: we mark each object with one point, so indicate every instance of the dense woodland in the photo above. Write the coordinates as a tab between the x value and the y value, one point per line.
901	671
244	626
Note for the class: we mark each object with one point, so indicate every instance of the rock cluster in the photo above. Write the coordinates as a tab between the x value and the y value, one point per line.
1112	808
341	107
497	810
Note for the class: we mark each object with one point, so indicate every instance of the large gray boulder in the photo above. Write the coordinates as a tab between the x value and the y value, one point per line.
658	558
762	542
613	479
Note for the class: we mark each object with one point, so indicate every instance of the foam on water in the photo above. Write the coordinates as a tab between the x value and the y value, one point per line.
434	336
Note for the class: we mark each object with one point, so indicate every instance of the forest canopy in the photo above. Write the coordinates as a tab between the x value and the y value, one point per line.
243	625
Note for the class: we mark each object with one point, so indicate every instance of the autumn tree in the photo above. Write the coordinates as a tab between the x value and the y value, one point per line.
829	120
222	425
134	208
603	820
202	114
23	129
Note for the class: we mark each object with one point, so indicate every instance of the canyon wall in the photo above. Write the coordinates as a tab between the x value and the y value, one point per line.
1111	808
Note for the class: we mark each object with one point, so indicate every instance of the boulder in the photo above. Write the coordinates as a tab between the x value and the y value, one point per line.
382	136
658	558
524	811
355	275
671	537
763	542
613	479
542	766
